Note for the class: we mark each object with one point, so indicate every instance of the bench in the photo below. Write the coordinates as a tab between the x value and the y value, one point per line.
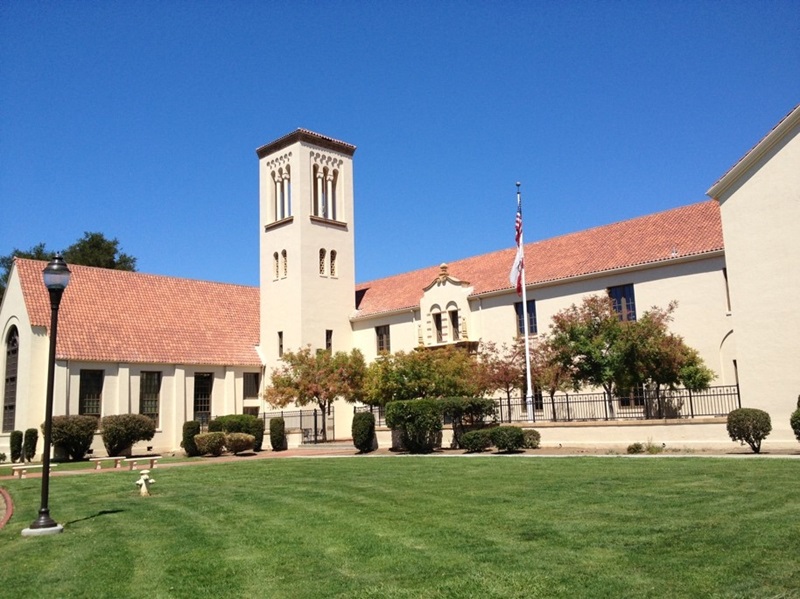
21	471
134	462
99	461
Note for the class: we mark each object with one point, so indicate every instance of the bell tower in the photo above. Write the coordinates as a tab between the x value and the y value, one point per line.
307	244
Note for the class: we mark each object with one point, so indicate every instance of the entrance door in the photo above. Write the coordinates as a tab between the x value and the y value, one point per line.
203	384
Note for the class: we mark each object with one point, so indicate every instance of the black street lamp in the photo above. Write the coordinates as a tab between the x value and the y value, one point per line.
56	278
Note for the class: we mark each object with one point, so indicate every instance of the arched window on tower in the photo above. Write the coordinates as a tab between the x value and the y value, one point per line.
285	263
10	396
333	263
322	262
276	269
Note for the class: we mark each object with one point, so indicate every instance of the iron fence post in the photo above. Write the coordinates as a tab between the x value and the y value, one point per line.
691	404
315	425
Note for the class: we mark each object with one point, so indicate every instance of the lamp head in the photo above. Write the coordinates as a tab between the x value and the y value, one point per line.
56	274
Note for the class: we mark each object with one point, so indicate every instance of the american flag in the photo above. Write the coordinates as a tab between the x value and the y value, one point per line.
515	277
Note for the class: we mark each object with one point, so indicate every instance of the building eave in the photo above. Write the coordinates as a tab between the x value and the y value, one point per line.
755	154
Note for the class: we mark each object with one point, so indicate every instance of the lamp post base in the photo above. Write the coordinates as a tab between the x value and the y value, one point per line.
38	532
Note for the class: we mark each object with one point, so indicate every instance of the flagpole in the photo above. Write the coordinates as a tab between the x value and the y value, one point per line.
529	386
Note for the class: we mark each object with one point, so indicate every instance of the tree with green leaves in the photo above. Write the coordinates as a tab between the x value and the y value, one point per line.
596	348
93	249
428	373
658	360
317	377
586	342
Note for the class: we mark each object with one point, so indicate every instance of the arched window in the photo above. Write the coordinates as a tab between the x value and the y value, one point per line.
10	397
332	200
322	262
333	263
285	263
277	265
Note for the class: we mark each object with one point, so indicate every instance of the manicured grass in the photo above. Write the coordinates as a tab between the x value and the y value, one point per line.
417	527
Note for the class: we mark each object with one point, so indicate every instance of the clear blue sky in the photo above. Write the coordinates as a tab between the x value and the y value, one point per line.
141	119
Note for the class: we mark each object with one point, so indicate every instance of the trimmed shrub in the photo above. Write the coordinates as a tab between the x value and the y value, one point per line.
240	423
795	422
213	443
532	439
507	438
364	431
749	425
419	422
634	448
277	434
190	430
466	413
29	444
121	431
15	440
477	440
2	457
239	442
73	435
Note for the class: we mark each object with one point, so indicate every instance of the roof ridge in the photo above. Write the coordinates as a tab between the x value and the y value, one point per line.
545	240
139	273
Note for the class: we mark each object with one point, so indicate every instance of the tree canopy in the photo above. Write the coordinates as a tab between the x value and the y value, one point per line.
318	377
442	372
93	249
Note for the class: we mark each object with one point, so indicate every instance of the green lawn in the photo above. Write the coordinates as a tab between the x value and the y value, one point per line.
416	527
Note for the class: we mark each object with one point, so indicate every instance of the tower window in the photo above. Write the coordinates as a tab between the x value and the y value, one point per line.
322	262
280	344
277	265
325	184
333	263
329	340
285	263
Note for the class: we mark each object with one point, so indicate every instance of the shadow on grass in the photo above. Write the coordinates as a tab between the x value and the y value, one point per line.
100	513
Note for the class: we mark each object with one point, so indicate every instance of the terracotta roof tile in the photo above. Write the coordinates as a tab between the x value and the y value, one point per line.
689	230
118	316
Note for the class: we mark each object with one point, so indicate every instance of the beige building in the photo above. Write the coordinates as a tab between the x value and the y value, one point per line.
760	204
179	349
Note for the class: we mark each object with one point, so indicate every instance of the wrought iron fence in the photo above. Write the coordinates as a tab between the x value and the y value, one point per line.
378	411
577	407
311	422
565	407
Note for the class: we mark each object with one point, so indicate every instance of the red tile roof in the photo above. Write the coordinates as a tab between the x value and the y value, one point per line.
118	316
689	230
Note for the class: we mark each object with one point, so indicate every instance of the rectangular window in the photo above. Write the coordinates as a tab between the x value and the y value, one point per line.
250	411
251	383
455	330
329	340
280	344
727	289
382	336
203	384
624	303
149	394
90	393
437	324
521	318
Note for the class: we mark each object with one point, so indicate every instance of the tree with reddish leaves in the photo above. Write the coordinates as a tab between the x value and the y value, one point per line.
309	377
